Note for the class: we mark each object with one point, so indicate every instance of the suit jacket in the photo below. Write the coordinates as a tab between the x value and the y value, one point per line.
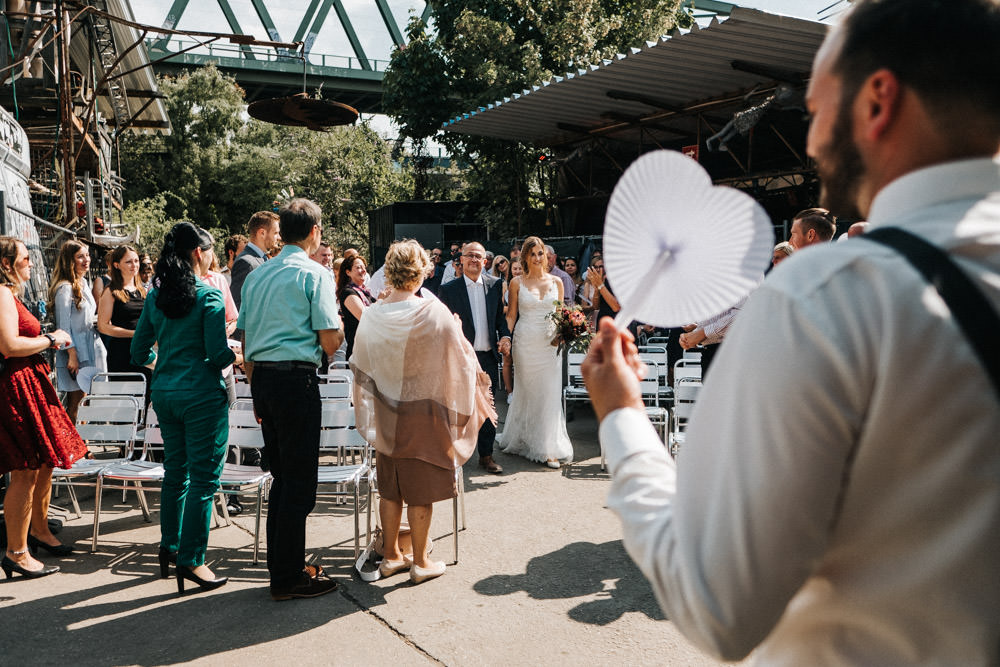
455	295
245	262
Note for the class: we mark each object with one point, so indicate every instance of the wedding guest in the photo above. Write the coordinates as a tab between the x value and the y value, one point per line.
233	247
72	302
145	271
185	317
425	424
35	432
119	309
103	280
264	235
569	289
353	296
572	270
782	251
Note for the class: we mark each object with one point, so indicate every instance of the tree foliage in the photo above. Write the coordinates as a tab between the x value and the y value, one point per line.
481	51
218	167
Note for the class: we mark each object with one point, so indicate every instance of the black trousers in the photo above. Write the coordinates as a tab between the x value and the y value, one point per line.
288	404
488	431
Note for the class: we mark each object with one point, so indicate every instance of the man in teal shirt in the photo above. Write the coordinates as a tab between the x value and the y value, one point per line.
289	317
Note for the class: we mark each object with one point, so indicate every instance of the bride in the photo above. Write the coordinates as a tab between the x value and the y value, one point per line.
535	426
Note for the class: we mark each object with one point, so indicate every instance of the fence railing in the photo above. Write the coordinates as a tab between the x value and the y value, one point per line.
266	54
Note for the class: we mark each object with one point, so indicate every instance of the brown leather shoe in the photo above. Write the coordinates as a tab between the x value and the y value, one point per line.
491	466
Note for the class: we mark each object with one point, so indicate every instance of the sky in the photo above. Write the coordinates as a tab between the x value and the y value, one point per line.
374	37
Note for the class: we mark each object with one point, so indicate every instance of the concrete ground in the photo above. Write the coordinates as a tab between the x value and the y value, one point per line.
542	578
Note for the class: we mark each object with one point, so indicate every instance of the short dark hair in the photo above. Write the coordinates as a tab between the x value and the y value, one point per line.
232	244
298	217
947	51
259	220
820	220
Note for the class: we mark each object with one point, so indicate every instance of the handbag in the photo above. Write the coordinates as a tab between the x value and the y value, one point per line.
972	310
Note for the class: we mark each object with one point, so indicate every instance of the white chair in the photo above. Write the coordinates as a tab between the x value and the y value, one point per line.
245	433
340	439
685	395
649	386
103	422
121	384
138	472
241	385
655	357
686	369
337	384
575	390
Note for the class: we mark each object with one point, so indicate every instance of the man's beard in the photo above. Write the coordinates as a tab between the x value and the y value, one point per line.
840	169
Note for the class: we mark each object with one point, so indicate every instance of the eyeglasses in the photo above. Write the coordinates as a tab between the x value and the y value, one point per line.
474	255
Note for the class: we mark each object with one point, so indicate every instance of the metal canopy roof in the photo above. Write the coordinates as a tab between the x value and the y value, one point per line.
680	73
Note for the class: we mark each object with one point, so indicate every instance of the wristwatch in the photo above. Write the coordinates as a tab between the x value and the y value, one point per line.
52	339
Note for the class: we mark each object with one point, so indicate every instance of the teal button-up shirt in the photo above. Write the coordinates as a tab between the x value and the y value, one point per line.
285	302
193	349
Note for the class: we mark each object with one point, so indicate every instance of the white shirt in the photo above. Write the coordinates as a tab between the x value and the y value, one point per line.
477	299
837	499
715	328
376	282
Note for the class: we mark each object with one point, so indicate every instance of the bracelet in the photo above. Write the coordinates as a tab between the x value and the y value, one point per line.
600	287
52	339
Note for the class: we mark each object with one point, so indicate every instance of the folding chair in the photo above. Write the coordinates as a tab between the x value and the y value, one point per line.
245	433
338	384
118	476
241	385
686	369
655	357
102	422
575	390
122	384
649	387
340	438
685	395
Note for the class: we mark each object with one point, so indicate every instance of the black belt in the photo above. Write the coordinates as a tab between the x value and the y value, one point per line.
284	365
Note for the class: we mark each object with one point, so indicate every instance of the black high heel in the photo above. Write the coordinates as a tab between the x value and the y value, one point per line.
9	567
58	550
184	572
166	557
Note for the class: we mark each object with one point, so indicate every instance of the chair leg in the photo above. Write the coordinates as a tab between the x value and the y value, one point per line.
454	524
73	499
97	512
142	502
224	503
461	495
256	527
357	521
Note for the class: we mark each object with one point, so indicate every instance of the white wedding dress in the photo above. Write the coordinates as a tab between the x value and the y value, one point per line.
535	426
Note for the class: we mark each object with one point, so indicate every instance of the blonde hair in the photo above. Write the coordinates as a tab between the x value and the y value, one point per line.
65	272
406	264
784	247
8	251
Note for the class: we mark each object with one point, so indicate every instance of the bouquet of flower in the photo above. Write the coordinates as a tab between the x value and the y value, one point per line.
572	331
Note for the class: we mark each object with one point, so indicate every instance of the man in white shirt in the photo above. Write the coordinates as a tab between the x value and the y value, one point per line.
837	498
569	287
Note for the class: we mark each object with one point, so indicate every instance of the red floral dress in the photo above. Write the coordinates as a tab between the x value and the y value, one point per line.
35	430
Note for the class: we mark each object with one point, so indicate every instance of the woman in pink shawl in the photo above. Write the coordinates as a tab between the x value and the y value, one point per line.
420	397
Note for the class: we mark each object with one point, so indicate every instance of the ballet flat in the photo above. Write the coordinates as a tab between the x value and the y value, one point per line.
421	574
9	567
552	463
390	567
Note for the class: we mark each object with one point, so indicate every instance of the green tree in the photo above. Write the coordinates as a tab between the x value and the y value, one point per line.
218	167
485	50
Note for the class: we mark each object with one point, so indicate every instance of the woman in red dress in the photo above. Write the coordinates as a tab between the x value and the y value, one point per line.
35	432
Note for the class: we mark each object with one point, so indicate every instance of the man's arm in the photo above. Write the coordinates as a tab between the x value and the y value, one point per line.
758	484
330	340
241	269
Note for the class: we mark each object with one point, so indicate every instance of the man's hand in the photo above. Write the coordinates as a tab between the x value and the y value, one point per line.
503	347
691	339
611	370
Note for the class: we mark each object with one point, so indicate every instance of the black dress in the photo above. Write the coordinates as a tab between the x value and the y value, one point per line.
351	322
126	315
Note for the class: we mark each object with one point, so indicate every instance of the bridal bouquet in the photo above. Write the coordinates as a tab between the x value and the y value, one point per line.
572	331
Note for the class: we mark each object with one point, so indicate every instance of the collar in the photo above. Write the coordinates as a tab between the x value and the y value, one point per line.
470	283
930	186
258	251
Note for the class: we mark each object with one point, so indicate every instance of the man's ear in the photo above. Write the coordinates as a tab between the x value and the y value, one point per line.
877	104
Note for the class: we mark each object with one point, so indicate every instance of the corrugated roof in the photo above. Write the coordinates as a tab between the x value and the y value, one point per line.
680	70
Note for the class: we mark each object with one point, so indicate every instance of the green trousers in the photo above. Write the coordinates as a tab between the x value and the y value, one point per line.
195	429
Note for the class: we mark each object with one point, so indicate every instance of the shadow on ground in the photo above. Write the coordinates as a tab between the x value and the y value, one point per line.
582	569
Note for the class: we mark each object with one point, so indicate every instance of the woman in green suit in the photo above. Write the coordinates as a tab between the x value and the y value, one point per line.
187	319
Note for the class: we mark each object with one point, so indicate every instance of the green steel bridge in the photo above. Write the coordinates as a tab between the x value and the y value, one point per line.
263	72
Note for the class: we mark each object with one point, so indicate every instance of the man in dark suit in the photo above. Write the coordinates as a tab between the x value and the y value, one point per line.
477	298
263	232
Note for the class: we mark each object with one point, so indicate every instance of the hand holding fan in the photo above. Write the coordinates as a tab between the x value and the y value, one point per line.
678	249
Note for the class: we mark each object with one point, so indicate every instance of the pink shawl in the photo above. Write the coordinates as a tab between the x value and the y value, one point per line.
418	390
